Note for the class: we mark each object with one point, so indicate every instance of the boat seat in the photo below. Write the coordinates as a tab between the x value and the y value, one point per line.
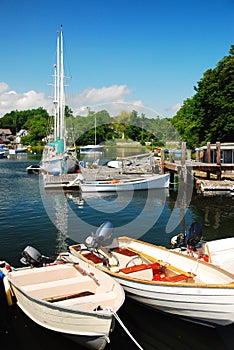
156	267
61	288
90	302
93	257
124	251
50	273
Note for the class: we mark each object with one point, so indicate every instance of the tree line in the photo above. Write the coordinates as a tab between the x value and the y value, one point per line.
81	130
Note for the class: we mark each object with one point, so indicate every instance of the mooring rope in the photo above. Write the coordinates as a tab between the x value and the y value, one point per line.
125	328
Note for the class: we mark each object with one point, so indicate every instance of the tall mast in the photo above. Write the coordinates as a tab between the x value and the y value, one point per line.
61	99
55	103
95	131
58	87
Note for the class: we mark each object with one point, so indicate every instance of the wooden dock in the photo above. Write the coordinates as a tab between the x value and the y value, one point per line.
215	187
65	182
209	178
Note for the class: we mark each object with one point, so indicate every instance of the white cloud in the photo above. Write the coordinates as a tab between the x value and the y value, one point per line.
113	98
11	100
3	87
104	94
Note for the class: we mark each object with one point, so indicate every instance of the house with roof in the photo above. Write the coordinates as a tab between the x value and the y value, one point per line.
4	134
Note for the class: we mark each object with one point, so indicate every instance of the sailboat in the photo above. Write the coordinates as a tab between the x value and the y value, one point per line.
57	159
95	147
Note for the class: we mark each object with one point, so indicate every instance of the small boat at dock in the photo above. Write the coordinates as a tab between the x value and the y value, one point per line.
161	278
130	183
67	296
219	252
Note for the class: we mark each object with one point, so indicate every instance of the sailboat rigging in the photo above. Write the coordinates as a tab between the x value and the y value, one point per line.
93	148
57	159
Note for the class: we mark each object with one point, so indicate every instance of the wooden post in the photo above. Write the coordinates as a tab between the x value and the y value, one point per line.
162	161
183	153
208	153
218	161
218	158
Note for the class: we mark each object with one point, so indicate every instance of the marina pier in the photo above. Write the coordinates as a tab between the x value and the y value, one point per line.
209	177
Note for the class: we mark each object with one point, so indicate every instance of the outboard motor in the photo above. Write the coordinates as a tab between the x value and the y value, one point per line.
103	234
179	243
31	256
193	235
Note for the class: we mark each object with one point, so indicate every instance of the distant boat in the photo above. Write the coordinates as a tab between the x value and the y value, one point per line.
161	278
138	161
93	148
67	296
18	149
4	151
57	159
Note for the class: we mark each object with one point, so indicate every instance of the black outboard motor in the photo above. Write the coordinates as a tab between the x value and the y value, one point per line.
193	235
179	243
31	256
102	235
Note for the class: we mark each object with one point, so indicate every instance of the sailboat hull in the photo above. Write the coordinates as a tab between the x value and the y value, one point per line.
60	164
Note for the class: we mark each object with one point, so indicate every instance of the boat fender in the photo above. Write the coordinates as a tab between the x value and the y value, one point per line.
5	289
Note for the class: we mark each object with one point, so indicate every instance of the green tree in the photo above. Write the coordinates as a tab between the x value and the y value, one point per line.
209	114
36	121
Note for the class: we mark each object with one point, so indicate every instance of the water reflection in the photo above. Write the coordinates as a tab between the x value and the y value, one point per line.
139	214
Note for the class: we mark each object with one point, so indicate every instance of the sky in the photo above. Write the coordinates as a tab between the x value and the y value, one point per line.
144	55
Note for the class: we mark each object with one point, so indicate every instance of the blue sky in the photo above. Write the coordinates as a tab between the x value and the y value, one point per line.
145	53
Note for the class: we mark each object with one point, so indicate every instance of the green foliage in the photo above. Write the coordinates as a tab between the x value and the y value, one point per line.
209	114
36	121
126	124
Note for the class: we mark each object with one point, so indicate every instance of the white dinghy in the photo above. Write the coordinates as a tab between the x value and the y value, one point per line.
68	296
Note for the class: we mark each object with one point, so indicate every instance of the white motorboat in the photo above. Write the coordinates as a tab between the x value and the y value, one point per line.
219	252
162	278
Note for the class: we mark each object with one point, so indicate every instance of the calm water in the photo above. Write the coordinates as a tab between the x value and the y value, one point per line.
49	221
